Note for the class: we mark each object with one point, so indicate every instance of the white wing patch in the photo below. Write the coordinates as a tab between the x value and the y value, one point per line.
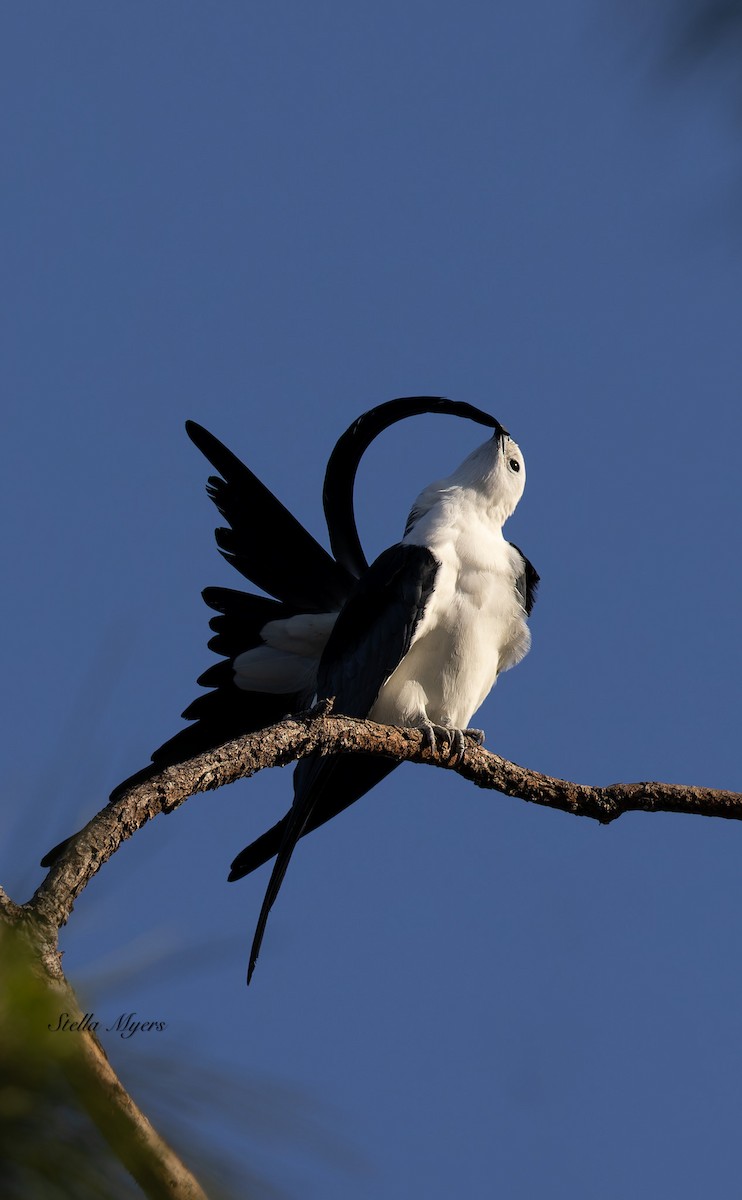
289	657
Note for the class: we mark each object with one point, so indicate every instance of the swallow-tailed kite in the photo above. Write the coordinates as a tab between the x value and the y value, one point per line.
416	639
419	642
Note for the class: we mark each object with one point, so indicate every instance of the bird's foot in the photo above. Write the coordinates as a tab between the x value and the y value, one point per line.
454	739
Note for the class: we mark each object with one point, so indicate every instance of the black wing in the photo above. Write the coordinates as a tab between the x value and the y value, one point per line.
266	543
527	582
371	637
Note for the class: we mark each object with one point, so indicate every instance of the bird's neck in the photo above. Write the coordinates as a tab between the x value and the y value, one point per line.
459	515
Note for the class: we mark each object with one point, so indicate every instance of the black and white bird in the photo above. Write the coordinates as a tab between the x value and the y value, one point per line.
271	645
418	638
419	642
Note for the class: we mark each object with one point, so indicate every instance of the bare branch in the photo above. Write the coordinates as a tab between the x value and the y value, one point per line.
305	733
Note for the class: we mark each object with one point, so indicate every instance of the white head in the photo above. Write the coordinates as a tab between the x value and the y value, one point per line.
494	475
496	471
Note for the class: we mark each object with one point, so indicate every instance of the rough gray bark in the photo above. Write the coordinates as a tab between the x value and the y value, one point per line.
317	730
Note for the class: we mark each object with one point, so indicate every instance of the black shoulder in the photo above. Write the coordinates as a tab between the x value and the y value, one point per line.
527	582
375	627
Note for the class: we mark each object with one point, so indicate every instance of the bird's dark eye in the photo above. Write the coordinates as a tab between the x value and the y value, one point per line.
514	464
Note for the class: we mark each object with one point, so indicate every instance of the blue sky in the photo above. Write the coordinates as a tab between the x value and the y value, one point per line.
268	219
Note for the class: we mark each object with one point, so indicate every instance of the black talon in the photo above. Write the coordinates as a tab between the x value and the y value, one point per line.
428	732
476	735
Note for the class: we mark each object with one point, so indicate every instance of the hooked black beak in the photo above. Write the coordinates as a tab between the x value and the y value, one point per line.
500	433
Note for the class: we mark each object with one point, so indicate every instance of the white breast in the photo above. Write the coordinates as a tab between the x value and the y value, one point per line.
474	625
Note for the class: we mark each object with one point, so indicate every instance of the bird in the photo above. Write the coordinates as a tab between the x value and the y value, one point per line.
419	642
418	638
271	644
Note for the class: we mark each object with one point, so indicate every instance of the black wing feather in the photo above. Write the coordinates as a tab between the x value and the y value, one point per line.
527	582
266	543
240	618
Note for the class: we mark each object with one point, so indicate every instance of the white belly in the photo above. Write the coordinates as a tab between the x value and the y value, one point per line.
474	627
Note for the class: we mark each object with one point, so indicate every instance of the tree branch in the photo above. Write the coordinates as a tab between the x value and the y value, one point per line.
305	733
